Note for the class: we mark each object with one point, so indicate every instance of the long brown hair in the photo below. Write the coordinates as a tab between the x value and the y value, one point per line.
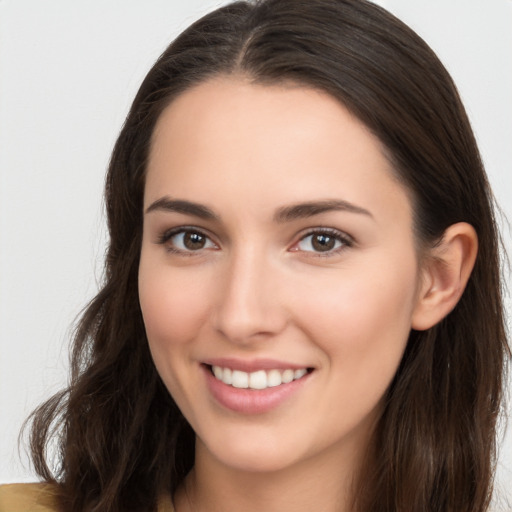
122	440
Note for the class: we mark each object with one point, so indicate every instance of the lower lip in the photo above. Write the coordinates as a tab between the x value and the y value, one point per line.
251	401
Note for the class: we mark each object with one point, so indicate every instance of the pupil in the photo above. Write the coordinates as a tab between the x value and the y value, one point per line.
323	242
194	241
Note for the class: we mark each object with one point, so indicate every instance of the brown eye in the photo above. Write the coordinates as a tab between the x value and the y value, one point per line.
194	241
186	241
322	242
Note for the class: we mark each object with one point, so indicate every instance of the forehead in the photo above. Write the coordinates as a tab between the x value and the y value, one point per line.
260	144
228	109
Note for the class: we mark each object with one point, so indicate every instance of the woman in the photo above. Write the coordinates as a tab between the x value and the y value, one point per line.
302	305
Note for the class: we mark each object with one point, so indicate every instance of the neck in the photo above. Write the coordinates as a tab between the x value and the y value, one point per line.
319	483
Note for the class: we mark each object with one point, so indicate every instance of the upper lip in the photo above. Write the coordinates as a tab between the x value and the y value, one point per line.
252	365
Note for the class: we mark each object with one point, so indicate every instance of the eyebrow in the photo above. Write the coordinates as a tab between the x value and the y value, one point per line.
305	210
282	215
181	206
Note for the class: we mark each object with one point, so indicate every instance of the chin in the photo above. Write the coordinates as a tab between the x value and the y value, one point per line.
253	457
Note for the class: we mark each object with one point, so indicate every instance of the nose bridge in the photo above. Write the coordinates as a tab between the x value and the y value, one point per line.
248	305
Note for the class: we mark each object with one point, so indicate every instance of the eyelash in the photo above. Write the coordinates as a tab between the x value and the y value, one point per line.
343	239
165	237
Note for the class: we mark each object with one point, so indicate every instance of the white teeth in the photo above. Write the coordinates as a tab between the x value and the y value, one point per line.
218	372
260	379
227	376
240	379
288	376
299	373
274	378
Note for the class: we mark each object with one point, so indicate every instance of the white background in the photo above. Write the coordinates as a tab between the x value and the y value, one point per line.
68	72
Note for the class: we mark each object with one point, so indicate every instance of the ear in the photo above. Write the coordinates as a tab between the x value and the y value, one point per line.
446	271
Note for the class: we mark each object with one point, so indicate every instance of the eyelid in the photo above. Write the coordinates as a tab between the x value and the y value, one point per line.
166	235
346	240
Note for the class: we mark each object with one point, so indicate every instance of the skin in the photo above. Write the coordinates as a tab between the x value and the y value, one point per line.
258	288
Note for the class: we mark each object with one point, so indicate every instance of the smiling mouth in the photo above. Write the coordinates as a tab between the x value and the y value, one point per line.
258	380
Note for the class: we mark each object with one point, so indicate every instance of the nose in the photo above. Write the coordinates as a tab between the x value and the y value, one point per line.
250	305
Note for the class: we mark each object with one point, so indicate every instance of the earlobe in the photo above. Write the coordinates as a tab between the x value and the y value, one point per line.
446	272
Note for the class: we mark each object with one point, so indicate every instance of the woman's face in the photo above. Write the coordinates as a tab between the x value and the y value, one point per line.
278	277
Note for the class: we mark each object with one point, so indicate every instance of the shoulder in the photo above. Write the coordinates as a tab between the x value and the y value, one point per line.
164	504
38	497
42	497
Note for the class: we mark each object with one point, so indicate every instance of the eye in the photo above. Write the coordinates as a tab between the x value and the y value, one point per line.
182	240
323	241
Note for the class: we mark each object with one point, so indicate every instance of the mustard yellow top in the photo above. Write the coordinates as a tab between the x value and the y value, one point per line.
41	498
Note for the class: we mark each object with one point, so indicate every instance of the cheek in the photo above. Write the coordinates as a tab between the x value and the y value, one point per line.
173	308
361	316
362	325
173	305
